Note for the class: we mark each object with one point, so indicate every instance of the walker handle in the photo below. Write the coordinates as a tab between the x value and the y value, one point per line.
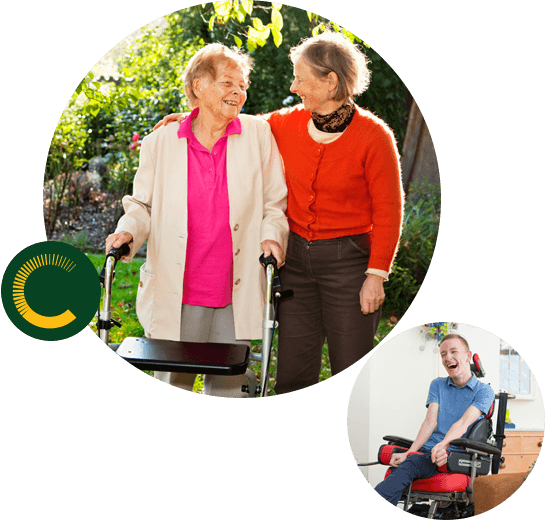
118	252
267	261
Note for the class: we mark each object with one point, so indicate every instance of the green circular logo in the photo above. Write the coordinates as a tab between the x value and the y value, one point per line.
50	291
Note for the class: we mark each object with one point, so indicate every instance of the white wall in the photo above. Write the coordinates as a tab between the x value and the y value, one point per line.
389	395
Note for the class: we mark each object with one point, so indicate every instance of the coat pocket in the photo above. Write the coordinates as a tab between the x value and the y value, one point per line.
145	298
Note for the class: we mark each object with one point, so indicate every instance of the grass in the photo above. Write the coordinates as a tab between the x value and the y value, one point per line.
124	289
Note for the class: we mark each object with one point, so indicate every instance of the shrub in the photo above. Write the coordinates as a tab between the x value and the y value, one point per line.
420	228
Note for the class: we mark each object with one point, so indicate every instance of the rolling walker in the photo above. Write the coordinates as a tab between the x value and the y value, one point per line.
196	358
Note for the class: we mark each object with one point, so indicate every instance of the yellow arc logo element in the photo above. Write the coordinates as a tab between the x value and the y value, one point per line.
48	322
44	322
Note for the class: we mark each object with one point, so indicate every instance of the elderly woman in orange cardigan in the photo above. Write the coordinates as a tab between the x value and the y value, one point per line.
345	209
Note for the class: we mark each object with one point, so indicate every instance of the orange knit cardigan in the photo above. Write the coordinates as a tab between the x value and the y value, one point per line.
348	187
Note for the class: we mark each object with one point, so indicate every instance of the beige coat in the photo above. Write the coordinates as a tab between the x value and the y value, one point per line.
157	211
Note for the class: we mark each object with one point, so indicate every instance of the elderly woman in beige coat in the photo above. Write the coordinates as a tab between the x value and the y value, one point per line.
209	196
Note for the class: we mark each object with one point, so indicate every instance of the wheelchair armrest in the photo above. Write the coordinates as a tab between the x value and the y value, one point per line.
398	441
476	445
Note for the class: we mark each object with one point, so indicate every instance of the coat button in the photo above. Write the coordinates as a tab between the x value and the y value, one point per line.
237	282
141	284
238	251
317	152
236	227
311	198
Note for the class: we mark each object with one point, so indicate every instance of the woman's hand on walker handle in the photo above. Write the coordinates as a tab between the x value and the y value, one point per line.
117	240
169	119
271	247
372	293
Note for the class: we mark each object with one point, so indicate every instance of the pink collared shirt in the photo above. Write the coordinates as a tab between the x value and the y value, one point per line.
208	275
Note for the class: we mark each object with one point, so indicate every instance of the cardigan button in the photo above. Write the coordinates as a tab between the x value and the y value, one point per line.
141	284
237	282
310	218
238	251
311	198
317	152
236	227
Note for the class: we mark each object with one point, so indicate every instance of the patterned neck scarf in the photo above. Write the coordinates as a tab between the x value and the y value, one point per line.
337	121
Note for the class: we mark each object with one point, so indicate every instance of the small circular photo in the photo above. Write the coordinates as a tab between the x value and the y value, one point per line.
446	420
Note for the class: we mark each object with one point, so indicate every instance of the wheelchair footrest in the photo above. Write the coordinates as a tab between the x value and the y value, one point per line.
181	356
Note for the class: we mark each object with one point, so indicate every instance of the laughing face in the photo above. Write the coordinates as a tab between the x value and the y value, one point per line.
222	97
456	358
315	93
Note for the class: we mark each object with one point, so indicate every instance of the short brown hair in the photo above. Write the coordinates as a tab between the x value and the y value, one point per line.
207	61
456	336
334	52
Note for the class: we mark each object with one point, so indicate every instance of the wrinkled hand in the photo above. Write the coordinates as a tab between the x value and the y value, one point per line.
117	240
272	247
169	119
372	293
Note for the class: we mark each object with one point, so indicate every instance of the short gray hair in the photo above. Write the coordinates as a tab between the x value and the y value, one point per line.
207	61
334	52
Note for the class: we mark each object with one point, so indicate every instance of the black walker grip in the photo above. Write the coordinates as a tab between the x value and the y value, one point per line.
119	252
116	253
268	260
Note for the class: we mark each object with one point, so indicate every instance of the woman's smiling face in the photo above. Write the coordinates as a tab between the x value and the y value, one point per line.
223	97
315	92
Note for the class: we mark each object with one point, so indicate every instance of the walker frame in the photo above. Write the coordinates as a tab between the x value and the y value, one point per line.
196	358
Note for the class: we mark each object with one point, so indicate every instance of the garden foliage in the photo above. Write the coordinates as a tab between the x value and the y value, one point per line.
94	150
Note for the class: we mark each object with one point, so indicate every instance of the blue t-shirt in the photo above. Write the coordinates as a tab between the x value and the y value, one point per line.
453	402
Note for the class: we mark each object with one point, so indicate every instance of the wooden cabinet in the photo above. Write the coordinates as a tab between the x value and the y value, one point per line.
520	449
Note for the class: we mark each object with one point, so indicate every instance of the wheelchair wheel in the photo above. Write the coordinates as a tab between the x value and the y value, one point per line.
419	510
446	512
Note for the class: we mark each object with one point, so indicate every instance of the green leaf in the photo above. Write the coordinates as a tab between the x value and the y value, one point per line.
93	108
222	8
257	23
247	6
277	37
276	19
238	41
277	6
250	44
211	22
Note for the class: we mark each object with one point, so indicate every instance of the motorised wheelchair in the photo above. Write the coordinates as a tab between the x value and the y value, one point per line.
449	494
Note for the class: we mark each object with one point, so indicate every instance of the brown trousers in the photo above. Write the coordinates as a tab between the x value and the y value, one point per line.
326	277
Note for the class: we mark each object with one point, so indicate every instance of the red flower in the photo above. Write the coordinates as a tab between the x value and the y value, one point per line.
135	137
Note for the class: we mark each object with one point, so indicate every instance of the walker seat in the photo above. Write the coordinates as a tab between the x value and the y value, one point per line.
182	356
196	358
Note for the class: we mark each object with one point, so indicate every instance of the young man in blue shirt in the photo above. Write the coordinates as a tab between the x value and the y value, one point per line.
454	404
